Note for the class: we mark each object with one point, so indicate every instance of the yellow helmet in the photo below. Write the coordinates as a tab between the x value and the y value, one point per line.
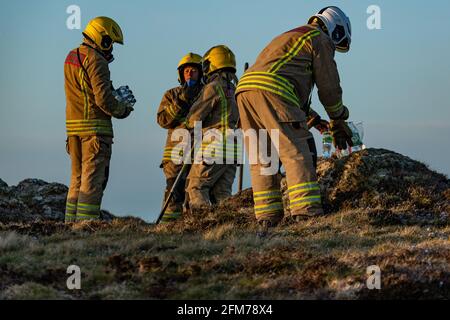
189	59
103	31
217	58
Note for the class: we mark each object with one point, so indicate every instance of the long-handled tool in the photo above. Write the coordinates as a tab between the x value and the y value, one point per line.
174	186
241	166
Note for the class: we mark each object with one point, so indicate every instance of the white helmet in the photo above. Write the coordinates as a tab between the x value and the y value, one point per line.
337	25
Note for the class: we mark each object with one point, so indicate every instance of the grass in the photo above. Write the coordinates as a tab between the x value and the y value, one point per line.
325	258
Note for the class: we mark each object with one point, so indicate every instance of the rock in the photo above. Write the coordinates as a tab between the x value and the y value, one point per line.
3	184
32	199
381	179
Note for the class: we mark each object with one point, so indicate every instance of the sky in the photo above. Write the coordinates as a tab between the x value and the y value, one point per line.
396	79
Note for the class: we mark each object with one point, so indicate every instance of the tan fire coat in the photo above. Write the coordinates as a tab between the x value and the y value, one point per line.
289	67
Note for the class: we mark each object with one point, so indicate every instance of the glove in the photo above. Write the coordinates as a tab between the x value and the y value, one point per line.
342	134
320	124
126	111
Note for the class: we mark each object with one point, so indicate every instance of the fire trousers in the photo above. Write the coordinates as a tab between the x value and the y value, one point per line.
90	157
263	110
210	184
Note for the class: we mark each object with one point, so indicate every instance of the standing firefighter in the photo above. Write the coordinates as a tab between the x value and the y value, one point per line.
172	112
91	103
274	93
211	179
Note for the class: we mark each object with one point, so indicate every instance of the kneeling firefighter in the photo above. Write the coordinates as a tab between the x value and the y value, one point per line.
212	175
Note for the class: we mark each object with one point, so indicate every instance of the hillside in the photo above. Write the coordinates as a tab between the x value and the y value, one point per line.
382	209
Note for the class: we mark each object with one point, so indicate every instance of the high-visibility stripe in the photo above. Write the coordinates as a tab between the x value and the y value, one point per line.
269	82
223	115
292	193
95	129
172	214
272	78
337	108
87	205
88	210
86	126
272	207
266	198
294	50
84	90
305	201
305	184
96	122
303	187
265	192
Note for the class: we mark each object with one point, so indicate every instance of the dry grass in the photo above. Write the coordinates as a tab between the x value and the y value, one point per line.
325	258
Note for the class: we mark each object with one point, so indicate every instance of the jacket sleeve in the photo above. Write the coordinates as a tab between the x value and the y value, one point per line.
172	111
326	77
203	106
99	75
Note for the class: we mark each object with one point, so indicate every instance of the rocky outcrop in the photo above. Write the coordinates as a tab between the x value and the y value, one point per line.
33	199
386	186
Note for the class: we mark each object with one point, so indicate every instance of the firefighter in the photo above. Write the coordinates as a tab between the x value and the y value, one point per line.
91	103
212	174
172	111
274	94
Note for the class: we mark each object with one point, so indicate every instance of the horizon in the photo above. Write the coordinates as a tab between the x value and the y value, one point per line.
395	84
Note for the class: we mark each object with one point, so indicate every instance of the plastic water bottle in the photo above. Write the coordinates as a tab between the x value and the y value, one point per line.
124	94
327	144
358	135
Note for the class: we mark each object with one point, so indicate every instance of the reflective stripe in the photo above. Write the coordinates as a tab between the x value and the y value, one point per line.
305	202
269	82
337	108
74	127
303	188
89	206
276	194
266	192
294	50
88	210
272	207
305	184
81	74
170	216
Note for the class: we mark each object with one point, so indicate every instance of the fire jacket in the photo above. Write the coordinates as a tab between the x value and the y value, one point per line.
89	100
171	115
290	66
217	109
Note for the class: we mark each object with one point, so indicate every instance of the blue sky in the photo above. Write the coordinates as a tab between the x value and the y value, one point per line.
395	79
